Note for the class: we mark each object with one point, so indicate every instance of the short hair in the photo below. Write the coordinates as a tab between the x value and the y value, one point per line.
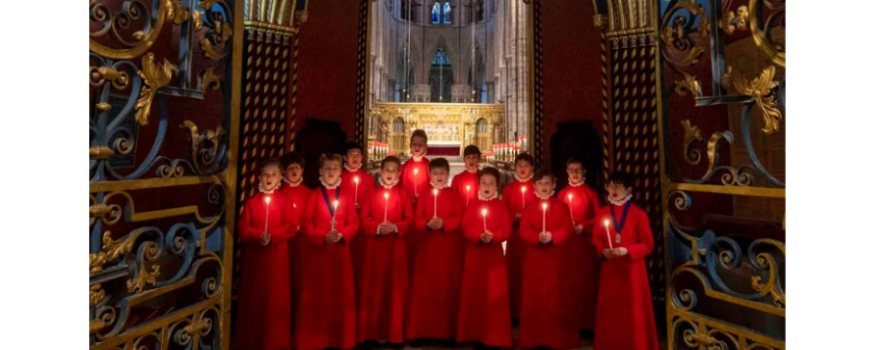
419	133
439	163
291	158
351	145
334	157
540	174
269	162
524	156
574	161
471	150
620	177
390	159
489	171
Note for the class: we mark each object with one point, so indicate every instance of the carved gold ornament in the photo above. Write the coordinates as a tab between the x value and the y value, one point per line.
300	18
197	18
100	75
600	21
674	35
210	79
691	84
154	77
761	90
111	251
691	133
207	157
729	23
144	277
177	12
100	152
95	295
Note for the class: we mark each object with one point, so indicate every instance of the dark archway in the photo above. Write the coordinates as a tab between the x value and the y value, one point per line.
580	140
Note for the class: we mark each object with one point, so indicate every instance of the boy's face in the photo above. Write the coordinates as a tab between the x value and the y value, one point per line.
439	176
523	169
353	157
617	191
545	185
270	177
472	161
294	172
330	171
576	172
389	172
418	145
488	185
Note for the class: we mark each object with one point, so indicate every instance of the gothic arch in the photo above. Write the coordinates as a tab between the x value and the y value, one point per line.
431	50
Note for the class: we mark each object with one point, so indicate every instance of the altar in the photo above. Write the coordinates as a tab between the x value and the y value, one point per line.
449	126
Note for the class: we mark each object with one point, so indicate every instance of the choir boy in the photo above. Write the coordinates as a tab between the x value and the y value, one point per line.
438	271
359	184
414	181
515	196
624	316
326	301
387	215
297	193
581	258
484	310
264	321
465	183
545	226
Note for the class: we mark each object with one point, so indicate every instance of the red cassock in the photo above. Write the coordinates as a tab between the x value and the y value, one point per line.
461	183
437	276
298	196
544	317
264	320
581	260
414	182
382	293
326	301
365	186
625	313
514	198
484	307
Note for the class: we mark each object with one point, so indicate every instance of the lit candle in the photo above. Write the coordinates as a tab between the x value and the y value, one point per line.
524	197
570	202
468	197
435	201
334	216
266	213
356	196
484	219
608	235
415	171
544	218
386	212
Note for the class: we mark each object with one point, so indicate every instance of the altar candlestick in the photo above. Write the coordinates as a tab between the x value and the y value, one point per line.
386	212
356	196
524	197
468	196
266	213
544	218
484	219
608	235
435	201
570	202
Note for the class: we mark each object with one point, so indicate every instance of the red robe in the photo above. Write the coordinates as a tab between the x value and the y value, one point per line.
484	306
413	183
460	183
581	259
265	319
298	196
326	302
360	195
544	317
625	313
516	248
434	298
382	297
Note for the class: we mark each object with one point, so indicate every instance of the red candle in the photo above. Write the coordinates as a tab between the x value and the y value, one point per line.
524	197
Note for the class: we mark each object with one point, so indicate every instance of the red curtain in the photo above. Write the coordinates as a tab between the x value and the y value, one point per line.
443	150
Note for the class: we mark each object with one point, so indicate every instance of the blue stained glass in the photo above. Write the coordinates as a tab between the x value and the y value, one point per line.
436	13
447	9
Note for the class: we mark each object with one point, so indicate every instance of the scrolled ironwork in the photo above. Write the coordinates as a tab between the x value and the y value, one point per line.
675	36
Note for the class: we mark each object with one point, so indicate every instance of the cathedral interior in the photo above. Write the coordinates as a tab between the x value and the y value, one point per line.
188	96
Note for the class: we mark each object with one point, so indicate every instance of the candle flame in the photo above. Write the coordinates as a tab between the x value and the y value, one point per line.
524	188
570	195
544	206
386	195
606	222
415	171
356	179
267	199
484	212
469	187
335	204
435	191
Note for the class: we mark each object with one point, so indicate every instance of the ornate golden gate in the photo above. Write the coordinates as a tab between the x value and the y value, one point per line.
721	109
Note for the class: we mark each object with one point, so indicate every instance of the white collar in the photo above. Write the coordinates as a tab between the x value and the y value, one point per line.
436	187
620	202
419	159
583	181
266	191
327	187
293	184
352	170
547	197
482	198
388	186
515	176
